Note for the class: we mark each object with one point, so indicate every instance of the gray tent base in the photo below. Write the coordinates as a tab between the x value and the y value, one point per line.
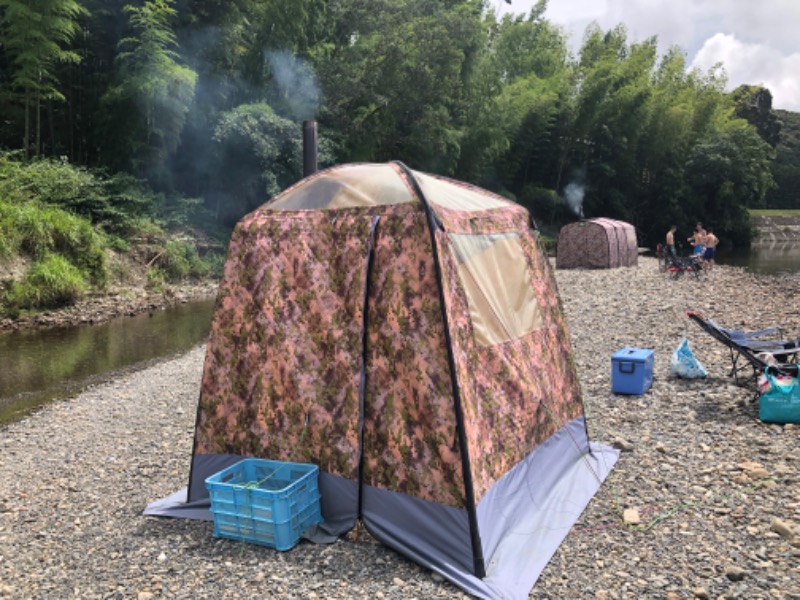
522	519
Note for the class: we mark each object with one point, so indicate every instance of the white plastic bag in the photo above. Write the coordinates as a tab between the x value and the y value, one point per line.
684	364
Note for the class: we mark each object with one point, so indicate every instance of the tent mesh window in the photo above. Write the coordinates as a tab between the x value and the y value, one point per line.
497	282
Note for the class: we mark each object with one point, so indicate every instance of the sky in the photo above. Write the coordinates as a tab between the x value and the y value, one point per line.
757	41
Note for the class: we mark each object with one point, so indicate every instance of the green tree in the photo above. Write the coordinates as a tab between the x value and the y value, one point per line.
244	52
786	167
258	153
516	100
228	43
754	104
36	34
611	107
81	133
727	173
394	78
151	93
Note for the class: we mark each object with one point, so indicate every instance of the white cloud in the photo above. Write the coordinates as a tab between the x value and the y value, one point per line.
757	64
774	22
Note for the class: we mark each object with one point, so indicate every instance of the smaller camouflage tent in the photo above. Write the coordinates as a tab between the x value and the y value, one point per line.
403	332
597	244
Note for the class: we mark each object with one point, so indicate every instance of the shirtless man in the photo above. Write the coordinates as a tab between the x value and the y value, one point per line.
698	240
711	248
671	241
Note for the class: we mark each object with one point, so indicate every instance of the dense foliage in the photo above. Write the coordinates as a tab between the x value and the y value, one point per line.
66	221
204	99
786	168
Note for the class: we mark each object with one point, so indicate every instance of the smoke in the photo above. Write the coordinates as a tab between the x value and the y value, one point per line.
296	82
574	192
230	177
573	195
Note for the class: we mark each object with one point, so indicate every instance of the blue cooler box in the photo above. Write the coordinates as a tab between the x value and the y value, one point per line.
631	371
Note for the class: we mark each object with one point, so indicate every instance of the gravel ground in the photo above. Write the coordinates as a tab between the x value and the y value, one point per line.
703	503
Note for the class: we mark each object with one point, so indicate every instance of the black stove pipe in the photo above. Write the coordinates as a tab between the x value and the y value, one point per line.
309	148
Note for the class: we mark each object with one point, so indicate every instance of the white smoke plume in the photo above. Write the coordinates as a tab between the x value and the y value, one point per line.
573	195
297	82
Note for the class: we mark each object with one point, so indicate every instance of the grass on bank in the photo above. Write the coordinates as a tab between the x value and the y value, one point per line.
64	222
52	282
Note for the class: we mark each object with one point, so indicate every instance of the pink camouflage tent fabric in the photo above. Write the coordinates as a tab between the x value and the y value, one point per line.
404	332
597	244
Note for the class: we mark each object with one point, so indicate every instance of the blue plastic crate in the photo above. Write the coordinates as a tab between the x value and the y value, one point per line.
265	502
631	371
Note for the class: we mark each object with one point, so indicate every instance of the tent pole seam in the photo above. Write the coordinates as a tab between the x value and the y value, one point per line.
479	565
194	448
363	376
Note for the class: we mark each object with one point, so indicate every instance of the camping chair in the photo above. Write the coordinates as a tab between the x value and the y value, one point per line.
755	348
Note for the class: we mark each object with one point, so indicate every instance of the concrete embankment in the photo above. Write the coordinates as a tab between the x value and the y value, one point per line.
778	228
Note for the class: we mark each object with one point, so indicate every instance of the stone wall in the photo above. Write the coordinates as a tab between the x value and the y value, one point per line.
784	228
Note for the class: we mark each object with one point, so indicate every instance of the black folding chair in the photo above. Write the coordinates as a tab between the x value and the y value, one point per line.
751	350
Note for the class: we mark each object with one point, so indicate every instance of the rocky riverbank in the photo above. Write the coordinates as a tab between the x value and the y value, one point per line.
703	503
100	307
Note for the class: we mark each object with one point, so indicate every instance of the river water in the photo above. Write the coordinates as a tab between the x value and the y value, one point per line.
775	258
41	366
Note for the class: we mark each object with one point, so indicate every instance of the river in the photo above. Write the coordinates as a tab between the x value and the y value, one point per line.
775	258
43	365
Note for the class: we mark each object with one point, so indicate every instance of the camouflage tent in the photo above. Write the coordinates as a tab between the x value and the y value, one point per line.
403	332
597	244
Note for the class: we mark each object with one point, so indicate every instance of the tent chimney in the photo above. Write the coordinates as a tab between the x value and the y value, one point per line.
309	148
